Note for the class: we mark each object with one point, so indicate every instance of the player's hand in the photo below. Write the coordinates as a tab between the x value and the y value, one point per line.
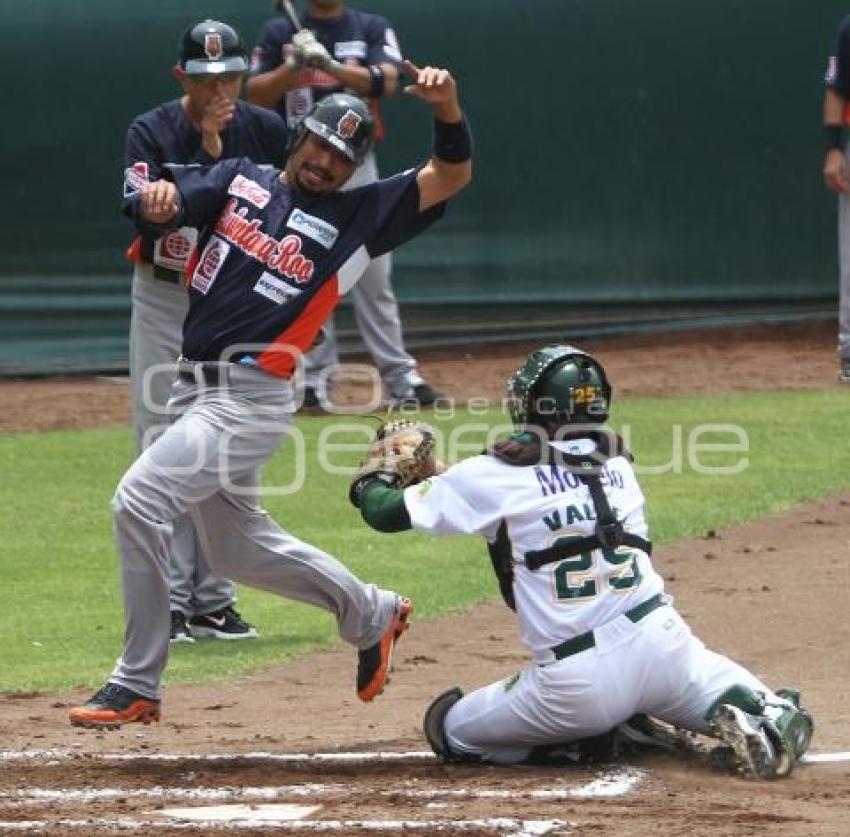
437	88
315	55
218	112
304	38
293	58
835	171
160	201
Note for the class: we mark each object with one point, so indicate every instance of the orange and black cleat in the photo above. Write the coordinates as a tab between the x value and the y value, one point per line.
112	706
373	664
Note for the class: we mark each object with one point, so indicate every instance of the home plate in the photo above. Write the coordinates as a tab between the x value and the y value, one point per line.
242	813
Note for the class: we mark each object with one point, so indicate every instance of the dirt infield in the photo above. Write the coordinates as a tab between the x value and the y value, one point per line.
771	593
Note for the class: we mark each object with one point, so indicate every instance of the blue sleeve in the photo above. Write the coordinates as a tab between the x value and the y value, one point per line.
382	45
397	214
142	160
268	52
838	71
203	190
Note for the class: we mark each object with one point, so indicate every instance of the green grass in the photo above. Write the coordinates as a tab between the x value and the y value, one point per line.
61	618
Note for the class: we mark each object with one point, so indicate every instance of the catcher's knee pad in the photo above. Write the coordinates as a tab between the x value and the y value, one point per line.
434	726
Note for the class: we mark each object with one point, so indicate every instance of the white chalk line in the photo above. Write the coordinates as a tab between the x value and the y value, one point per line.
611	784
519	828
331	758
824	758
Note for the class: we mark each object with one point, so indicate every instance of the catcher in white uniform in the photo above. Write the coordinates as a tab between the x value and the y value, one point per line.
563	516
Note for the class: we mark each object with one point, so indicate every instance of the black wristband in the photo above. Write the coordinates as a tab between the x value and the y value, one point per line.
452	141
377	81
833	137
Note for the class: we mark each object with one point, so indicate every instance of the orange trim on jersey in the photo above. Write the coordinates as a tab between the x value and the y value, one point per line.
846	113
191	264
134	252
278	358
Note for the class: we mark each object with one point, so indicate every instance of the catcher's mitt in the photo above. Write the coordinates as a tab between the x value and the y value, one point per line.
401	455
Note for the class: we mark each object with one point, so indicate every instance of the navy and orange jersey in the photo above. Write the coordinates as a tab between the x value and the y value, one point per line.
272	262
166	135
356	38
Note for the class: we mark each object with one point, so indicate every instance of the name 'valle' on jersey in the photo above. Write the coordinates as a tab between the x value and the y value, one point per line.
271	261
540	505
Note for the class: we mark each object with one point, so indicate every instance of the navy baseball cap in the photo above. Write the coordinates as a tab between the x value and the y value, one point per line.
212	47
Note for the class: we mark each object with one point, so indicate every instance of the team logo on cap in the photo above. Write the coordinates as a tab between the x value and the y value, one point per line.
348	124
213	46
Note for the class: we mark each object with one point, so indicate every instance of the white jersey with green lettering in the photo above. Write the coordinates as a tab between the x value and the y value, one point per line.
540	505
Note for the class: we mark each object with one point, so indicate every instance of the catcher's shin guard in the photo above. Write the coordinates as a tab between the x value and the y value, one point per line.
768	738
434	726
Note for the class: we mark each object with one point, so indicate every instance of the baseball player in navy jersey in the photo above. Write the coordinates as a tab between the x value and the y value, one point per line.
275	252
342	48
563	515
205	124
836	175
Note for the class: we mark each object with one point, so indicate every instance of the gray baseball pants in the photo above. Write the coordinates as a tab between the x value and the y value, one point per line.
207	463
378	320
156	331
844	271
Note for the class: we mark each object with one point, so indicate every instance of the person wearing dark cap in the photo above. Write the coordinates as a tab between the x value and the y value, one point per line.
276	251
207	123
343	49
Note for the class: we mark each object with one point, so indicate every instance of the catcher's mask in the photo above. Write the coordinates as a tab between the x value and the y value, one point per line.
559	385
344	121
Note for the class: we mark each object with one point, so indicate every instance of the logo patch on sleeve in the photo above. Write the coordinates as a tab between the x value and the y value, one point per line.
209	264
831	71
319	230
250	190
173	249
135	177
275	289
391	48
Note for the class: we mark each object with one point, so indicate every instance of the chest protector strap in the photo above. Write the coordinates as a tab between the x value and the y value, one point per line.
608	533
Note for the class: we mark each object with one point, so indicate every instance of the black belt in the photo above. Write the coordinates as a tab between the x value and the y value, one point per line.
165	274
584	641
212	374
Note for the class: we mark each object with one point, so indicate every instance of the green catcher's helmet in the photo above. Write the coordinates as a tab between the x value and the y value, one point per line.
559	385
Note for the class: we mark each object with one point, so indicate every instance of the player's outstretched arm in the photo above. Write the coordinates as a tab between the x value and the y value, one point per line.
450	166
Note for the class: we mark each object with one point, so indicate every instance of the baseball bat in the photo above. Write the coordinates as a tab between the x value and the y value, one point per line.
288	8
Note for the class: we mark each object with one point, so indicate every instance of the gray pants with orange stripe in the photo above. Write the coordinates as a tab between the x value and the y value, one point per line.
207	464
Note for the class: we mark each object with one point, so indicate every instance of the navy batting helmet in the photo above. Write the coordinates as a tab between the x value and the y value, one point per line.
345	122
212	47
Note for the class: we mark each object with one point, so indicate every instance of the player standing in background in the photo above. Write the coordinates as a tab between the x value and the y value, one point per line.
563	515
836	176
206	124
275	251
339	49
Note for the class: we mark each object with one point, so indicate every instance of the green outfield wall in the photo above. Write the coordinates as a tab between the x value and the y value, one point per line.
629	152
